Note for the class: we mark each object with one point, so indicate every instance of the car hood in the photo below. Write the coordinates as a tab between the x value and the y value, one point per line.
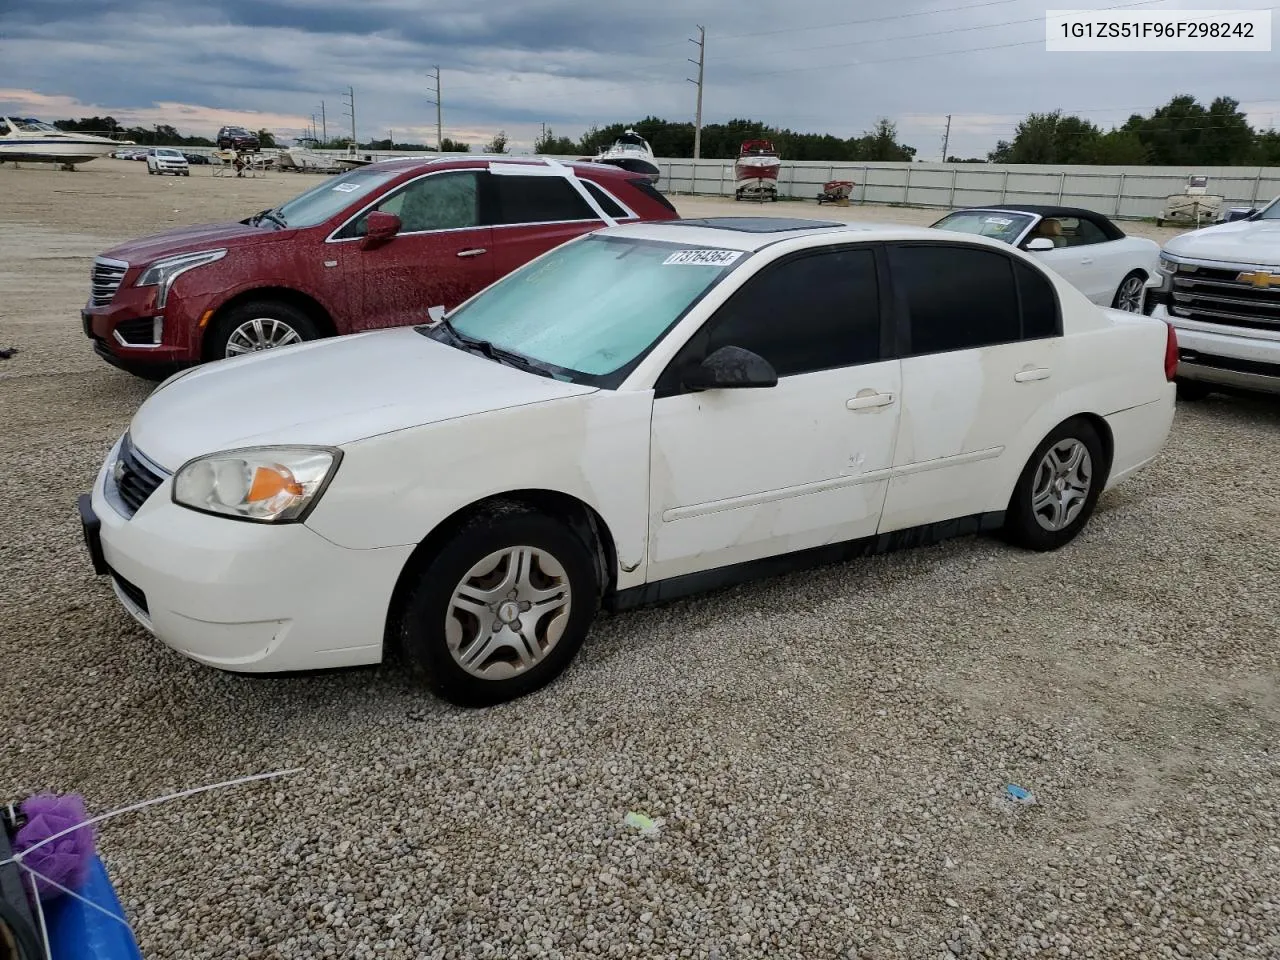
207	236
328	393
1244	241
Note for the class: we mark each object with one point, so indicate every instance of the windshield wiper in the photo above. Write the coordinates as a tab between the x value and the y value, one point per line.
272	216
496	354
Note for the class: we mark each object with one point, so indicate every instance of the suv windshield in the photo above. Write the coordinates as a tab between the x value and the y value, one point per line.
592	308
337	193
996	224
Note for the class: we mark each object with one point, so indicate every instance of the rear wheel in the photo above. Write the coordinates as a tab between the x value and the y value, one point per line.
502	608
259	325
1129	294
1058	488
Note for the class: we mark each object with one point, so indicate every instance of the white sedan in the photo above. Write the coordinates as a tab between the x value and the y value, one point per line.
1108	267
649	411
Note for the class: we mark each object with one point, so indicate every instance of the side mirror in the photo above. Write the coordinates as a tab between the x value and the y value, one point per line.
731	368
1040	244
380	227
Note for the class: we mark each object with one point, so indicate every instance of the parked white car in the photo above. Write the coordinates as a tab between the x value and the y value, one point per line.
1107	266
162	160
1221	290
652	410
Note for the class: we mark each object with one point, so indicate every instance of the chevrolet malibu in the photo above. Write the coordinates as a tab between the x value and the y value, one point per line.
644	412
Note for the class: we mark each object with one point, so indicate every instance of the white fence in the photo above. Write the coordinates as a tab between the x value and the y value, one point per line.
1121	192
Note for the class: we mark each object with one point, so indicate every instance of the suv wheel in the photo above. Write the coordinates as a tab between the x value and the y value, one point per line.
501	609
260	325
1058	489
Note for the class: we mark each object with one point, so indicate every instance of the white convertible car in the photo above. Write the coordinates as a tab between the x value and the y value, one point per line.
648	411
1108	267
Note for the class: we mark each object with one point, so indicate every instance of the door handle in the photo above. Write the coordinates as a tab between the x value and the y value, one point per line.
870	401
1087	260
473	252
1037	373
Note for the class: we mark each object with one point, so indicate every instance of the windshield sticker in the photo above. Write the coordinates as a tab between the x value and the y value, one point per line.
1001	221
702	258
346	187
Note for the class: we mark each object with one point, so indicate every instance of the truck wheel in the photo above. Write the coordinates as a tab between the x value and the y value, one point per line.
258	325
502	608
1189	391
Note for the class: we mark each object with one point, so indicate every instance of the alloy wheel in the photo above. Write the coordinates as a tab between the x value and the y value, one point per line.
262	333
1129	298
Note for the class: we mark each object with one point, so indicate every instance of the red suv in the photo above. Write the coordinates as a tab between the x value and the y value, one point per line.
387	244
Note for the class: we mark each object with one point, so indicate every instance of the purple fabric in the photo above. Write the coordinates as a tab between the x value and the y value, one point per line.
67	859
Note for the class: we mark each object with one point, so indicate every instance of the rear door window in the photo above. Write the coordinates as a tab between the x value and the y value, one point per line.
518	199
957	297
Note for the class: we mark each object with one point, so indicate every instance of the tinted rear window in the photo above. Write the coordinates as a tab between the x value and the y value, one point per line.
538	200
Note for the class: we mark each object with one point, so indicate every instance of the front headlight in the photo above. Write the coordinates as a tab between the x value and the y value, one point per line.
265	484
162	273
1165	265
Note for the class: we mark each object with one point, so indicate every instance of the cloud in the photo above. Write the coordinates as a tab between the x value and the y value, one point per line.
817	65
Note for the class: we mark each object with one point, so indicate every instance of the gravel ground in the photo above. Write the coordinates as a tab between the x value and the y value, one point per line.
825	751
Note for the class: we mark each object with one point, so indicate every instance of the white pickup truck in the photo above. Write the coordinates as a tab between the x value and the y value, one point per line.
1221	292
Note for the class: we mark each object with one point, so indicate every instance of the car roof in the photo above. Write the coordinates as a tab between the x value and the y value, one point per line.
1040	210
732	233
482	160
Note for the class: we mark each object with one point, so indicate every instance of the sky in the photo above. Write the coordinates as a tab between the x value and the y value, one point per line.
831	66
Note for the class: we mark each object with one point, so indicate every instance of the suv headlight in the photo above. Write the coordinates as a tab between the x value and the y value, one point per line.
264	484
1165	265
162	273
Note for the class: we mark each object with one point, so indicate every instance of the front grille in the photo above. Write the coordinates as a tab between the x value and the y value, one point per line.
1215	295
134	593
105	280
140	332
134	480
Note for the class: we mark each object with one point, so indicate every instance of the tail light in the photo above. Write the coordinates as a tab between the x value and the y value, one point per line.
1171	353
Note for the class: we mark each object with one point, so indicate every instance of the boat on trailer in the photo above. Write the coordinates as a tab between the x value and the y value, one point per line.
756	171
27	140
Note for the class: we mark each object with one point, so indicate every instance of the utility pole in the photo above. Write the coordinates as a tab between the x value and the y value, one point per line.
701	62
324	124
436	101
350	98
946	139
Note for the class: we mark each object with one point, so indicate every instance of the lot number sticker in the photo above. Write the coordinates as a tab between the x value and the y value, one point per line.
346	187
702	258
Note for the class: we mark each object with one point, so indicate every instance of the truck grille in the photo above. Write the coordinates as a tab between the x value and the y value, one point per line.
105	280
135	481
1217	295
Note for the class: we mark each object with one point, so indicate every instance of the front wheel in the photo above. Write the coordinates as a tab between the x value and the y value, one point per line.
260	325
1058	488
1129	294
501	610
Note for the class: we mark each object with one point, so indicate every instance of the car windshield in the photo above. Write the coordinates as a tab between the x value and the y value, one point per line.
996	224
590	310
36	126
333	195
168	153
1271	211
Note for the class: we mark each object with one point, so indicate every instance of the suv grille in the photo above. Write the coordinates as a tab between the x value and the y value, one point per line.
105	280
134	480
1216	295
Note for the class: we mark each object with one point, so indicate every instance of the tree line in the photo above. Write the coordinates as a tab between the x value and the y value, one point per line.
722	141
1181	133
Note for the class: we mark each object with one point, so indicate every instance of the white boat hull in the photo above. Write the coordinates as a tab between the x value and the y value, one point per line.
55	151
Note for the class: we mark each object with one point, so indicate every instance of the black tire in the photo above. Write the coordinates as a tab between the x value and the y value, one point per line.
1021	525
420	630
222	329
1115	301
1191	391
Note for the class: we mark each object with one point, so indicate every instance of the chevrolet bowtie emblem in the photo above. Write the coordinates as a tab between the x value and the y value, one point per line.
1260	279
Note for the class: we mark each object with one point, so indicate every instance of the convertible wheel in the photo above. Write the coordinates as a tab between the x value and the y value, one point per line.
262	325
1058	489
501	609
1129	295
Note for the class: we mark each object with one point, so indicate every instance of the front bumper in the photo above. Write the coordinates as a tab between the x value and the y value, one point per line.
109	328
239	596
1228	356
